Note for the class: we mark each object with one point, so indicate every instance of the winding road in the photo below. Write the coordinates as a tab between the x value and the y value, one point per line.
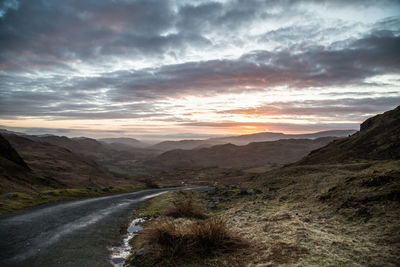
73	233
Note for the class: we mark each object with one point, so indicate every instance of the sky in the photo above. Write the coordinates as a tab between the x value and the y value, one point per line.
180	69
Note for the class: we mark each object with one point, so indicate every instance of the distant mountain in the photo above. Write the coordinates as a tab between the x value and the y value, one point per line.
378	139
186	144
127	142
230	155
246	139
270	136
4	131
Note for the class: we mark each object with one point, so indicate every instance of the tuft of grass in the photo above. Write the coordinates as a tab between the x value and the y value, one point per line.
171	243
213	236
184	207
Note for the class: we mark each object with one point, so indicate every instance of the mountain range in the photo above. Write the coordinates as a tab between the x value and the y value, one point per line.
241	140
232	156
58	161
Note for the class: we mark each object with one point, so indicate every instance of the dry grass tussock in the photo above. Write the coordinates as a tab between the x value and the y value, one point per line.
184	207
173	244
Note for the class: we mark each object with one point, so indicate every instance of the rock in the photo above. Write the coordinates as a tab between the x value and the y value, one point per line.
325	217
211	205
258	191
243	191
268	197
378	181
118	260
91	189
11	195
249	191
212	191
105	189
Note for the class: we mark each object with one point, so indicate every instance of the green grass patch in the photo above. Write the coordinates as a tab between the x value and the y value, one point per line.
127	168
15	201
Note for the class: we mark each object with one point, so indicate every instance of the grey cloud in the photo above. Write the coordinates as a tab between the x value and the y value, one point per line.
316	67
59	33
345	108
376	53
46	35
43	34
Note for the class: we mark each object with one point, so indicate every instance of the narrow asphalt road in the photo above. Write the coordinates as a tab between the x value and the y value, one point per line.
73	233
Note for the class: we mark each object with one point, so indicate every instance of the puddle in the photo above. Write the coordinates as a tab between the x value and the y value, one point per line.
120	253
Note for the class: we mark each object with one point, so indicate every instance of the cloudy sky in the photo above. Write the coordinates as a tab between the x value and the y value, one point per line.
191	69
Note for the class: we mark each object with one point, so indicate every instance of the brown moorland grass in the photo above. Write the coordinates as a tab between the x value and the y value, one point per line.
184	207
177	244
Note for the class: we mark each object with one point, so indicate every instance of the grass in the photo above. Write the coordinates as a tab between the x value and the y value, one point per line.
324	215
127	167
314	215
180	233
175	244
184	207
15	201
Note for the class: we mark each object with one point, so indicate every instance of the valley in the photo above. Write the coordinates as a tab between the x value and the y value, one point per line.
322	201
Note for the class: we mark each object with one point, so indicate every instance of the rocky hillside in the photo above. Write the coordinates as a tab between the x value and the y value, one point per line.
378	139
229	155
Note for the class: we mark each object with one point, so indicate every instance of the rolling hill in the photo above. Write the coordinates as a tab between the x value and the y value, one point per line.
127	142
229	155
59	165
241	140
270	136
16	175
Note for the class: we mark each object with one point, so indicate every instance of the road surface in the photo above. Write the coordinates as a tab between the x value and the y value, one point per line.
73	233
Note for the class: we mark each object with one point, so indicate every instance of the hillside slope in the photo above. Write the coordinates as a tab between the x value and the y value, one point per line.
60	165
378	139
85	146
229	155
339	206
15	175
